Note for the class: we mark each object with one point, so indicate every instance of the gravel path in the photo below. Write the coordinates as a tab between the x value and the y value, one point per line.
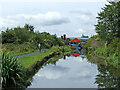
29	54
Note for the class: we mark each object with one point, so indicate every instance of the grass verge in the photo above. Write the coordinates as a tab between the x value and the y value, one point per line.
17	53
29	61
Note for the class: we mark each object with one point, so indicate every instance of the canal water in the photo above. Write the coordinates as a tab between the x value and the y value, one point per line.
72	72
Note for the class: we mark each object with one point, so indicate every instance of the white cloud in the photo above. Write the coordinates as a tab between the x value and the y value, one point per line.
47	19
52	72
88	30
80	30
53	1
81	11
84	17
84	74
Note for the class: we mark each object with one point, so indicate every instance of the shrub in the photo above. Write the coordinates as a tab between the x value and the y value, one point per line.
56	49
12	73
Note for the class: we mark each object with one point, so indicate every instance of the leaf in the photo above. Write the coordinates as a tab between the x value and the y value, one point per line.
14	81
19	77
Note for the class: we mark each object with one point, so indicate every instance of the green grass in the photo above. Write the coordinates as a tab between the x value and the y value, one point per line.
17	53
29	61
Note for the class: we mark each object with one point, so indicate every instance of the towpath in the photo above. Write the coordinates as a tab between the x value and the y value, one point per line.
29	54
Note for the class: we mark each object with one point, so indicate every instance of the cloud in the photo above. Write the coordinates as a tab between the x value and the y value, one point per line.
86	19
81	11
83	17
85	73
52	72
80	30
47	19
88	30
53	0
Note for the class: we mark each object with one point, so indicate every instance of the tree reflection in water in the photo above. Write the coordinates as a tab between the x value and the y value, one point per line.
108	77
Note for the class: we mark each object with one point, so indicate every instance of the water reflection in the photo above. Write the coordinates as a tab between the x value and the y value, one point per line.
75	54
77	72
52	72
72	72
108	76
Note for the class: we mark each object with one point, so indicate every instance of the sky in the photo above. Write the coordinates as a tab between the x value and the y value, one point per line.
70	17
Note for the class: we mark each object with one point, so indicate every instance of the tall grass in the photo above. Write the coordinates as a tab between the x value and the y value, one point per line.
12	73
110	52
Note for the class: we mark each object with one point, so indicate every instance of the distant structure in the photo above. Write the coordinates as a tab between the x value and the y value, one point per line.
66	40
83	36
61	37
64	36
74	40
76	43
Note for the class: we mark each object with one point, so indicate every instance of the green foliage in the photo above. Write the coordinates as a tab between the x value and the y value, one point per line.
106	44
53	60
29	27
61	49
24	39
8	36
67	48
109	52
109	22
56	49
19	47
12	73
92	43
107	77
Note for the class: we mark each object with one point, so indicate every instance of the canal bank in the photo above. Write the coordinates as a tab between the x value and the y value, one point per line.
34	62
20	71
108	51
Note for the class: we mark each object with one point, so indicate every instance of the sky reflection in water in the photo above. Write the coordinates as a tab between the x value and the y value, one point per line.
74	72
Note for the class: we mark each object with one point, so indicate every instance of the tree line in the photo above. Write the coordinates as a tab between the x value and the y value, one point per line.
26	35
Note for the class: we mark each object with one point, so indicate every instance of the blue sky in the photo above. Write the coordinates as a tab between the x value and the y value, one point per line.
73	18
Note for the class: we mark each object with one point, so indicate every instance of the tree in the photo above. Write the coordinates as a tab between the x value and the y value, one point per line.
109	21
8	36
29	27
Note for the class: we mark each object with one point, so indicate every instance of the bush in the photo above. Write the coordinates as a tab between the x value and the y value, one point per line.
56	49
19	47
12	73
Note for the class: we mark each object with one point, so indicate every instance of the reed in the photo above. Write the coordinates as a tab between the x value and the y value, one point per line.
13	74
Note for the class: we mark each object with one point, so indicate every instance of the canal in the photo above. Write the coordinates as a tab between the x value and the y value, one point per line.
67	72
